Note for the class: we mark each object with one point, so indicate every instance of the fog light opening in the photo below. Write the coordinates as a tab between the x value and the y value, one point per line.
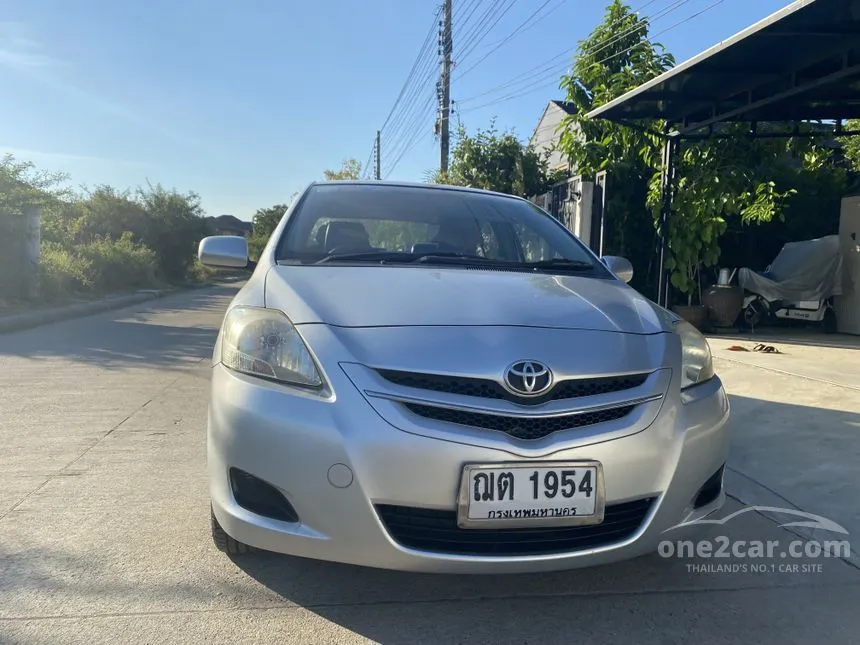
255	495
710	490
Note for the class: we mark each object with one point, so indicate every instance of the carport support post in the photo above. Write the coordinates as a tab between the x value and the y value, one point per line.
668	185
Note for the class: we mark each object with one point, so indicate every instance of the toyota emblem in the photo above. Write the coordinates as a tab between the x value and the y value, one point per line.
528	378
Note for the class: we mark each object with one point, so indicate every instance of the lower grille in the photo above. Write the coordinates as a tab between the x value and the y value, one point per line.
519	427
437	532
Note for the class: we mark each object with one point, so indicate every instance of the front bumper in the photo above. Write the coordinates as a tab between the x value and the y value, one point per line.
338	463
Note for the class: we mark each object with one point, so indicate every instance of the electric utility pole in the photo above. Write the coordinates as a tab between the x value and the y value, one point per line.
444	89
378	157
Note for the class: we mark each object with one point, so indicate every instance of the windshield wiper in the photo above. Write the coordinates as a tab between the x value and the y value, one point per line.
366	256
384	257
445	257
561	263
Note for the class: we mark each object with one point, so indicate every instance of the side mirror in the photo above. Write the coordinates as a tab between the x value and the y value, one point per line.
621	267
229	251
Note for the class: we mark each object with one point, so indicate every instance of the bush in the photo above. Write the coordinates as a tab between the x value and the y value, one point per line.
116	265
198	273
62	273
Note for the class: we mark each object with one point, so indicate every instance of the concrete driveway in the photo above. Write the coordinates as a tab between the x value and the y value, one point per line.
104	518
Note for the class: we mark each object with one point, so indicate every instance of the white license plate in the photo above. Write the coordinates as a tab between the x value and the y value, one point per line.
535	494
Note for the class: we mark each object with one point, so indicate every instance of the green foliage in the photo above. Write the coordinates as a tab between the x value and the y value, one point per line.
99	240
851	145
733	181
265	221
102	266
22	184
615	58
175	226
114	265
751	181
350	169
62	272
495	161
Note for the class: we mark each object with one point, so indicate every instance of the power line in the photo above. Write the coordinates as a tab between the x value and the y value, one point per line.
608	58
507	38
552	68
366	168
414	137
415	102
421	53
543	17
462	8
466	39
477	40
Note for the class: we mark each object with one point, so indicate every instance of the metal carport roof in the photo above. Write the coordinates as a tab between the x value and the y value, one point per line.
800	63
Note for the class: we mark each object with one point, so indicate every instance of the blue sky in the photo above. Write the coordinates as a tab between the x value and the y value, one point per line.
246	102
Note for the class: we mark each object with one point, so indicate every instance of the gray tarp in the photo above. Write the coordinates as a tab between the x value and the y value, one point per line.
808	270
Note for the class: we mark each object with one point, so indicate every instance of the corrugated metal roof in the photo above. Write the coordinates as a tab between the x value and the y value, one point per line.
800	63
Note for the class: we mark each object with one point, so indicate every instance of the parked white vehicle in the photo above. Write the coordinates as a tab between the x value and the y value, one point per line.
798	285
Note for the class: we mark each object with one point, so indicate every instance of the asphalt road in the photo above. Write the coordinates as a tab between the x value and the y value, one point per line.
104	533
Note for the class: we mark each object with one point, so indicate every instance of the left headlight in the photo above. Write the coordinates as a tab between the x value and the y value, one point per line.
264	343
697	366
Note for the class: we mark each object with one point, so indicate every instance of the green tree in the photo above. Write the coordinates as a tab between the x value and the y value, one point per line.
265	221
733	178
349	169
175	226
615	58
495	161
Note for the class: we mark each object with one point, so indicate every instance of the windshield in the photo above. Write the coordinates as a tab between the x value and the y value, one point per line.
383	224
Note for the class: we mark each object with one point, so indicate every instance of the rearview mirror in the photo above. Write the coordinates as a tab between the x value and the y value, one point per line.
229	251
621	267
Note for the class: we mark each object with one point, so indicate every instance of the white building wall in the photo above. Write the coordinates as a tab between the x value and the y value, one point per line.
546	135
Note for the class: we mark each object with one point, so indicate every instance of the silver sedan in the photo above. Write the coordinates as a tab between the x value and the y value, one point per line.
440	379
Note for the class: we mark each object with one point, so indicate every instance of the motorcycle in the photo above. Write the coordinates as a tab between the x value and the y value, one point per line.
798	285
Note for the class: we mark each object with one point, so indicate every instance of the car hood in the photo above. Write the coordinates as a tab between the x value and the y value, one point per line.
376	296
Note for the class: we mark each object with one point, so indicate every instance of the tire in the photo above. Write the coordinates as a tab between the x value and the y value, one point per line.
829	321
224	542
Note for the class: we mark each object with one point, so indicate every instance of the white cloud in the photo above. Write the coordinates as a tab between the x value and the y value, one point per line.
25	154
22	53
19	51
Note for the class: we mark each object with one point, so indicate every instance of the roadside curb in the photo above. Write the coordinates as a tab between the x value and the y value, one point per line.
29	320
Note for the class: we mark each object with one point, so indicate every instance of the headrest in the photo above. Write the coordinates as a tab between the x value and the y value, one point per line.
351	235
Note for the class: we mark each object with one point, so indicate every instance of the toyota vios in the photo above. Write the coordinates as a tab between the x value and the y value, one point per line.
440	379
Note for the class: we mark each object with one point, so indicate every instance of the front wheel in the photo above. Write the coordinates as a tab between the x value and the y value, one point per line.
223	541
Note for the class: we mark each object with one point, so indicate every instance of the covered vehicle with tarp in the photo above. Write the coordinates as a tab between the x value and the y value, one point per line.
798	285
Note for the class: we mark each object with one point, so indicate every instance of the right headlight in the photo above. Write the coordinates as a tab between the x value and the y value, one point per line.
264	343
697	366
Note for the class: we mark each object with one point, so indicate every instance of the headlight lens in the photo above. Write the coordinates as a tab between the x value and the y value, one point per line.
697	366
264	343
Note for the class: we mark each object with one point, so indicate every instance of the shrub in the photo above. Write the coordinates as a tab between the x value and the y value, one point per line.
62	273
116	265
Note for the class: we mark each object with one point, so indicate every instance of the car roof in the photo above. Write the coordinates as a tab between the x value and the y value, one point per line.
411	184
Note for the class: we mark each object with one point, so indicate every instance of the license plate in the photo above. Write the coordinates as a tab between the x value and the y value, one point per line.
520	494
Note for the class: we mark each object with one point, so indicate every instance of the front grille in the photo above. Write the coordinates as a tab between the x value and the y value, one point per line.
437	531
488	389
518	427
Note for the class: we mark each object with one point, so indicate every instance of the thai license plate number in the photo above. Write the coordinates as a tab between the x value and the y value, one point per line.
531	494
